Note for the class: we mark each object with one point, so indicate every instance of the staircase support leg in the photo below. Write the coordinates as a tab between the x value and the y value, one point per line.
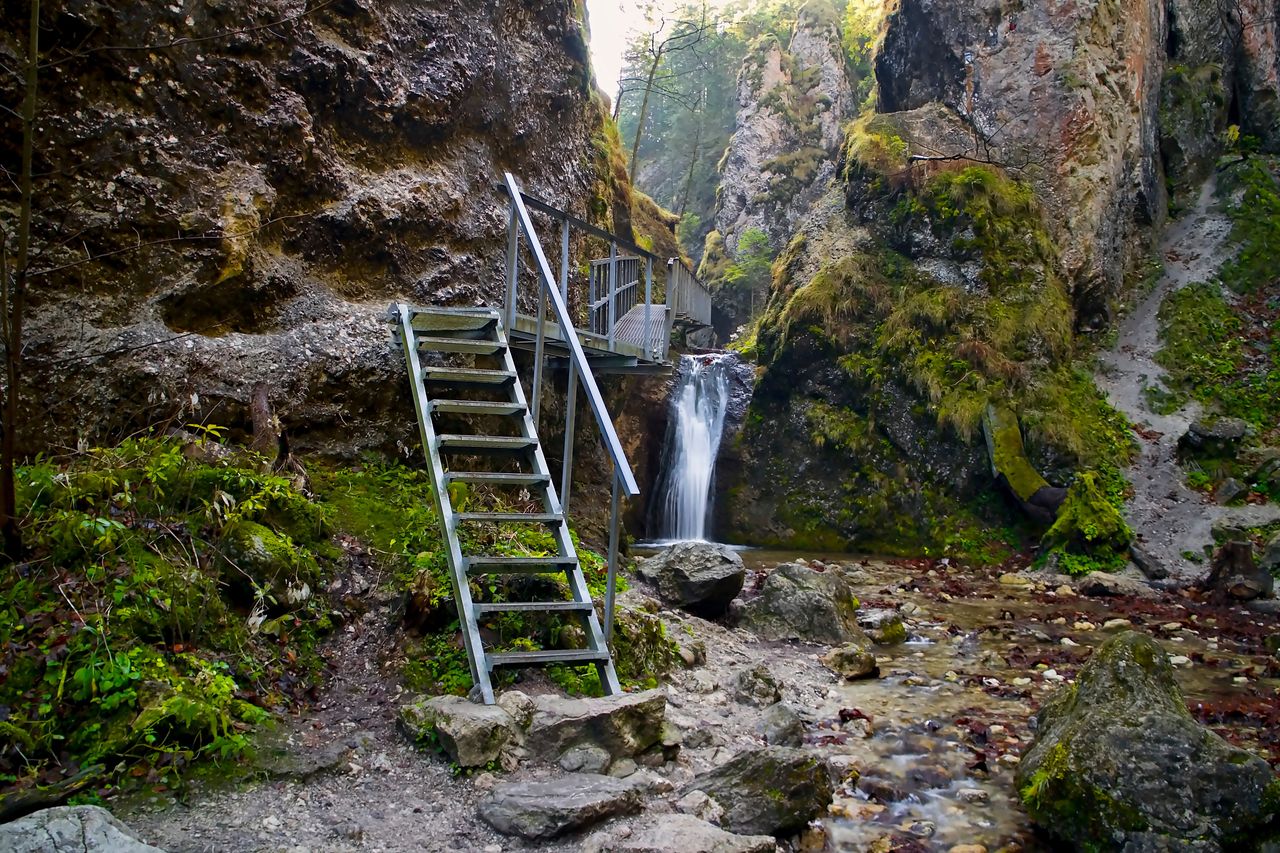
571	416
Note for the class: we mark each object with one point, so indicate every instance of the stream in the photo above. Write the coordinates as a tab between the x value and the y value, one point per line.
935	740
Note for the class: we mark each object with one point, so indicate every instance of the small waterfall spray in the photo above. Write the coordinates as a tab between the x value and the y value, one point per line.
698	408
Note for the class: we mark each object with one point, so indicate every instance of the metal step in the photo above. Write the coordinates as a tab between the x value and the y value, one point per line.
464	345
530	517
467	376
535	607
517	565
454	321
475	407
485	443
547	656
484	478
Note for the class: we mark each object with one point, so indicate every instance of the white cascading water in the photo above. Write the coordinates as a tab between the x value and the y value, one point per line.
698	408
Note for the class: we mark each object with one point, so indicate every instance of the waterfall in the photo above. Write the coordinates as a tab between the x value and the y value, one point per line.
698	408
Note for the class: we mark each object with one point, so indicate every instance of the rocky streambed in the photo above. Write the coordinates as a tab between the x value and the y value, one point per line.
757	739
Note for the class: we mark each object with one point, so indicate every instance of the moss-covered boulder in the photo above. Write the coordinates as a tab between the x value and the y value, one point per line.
1010	466
770	791
1118	764
1089	533
264	562
798	603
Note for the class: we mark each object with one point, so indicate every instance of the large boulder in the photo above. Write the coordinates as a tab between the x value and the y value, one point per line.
701	577
1235	576
798	603
1214	438
71	829
623	726
665	833
470	734
546	809
769	791
1118	763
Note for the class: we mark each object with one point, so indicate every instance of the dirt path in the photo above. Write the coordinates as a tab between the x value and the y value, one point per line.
1168	517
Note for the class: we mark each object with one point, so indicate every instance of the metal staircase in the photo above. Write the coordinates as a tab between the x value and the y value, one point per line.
492	396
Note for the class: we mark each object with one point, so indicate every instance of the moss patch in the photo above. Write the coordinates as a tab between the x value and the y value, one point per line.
1090	533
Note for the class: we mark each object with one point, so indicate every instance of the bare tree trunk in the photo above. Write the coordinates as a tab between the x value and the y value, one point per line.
644	113
693	159
266	426
15	287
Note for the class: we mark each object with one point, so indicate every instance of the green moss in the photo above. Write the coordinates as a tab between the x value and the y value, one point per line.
139	623
1060	797
1254	207
1090	532
1008	457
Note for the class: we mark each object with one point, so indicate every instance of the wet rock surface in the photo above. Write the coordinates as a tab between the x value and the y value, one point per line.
1118	760
623	726
701	577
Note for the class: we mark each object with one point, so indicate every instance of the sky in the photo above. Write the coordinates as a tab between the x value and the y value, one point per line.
612	21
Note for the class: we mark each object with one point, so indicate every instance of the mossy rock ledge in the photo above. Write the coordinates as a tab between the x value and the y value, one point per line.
1119	764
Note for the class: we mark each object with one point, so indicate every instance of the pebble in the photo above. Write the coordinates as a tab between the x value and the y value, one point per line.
1021	681
972	795
996	729
968	848
1010	758
1180	660
1171	627
1084	626
950	675
1114	624
1061	620
991	682
1067	641
1241	679
1011	579
1065	590
493	848
1052	675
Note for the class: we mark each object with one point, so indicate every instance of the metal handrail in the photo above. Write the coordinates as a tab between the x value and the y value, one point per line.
577	358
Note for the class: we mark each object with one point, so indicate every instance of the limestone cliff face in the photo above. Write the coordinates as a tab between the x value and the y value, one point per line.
1065	94
252	187
793	103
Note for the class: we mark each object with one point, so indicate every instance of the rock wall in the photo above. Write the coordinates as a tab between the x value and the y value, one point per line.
232	193
793	103
1065	94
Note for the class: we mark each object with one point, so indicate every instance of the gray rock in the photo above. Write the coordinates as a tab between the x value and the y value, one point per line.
698	804
622	726
471	734
782	726
756	686
884	627
797	603
585	759
769	791
852	661
1098	772
701	577
1214	437
71	829
677	832
1105	584
546	809
279	753
1147	562
1229	490
1235	576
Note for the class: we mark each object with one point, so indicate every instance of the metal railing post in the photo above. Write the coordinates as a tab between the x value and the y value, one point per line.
613	289
538	353
612	580
513	265
571	412
649	346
